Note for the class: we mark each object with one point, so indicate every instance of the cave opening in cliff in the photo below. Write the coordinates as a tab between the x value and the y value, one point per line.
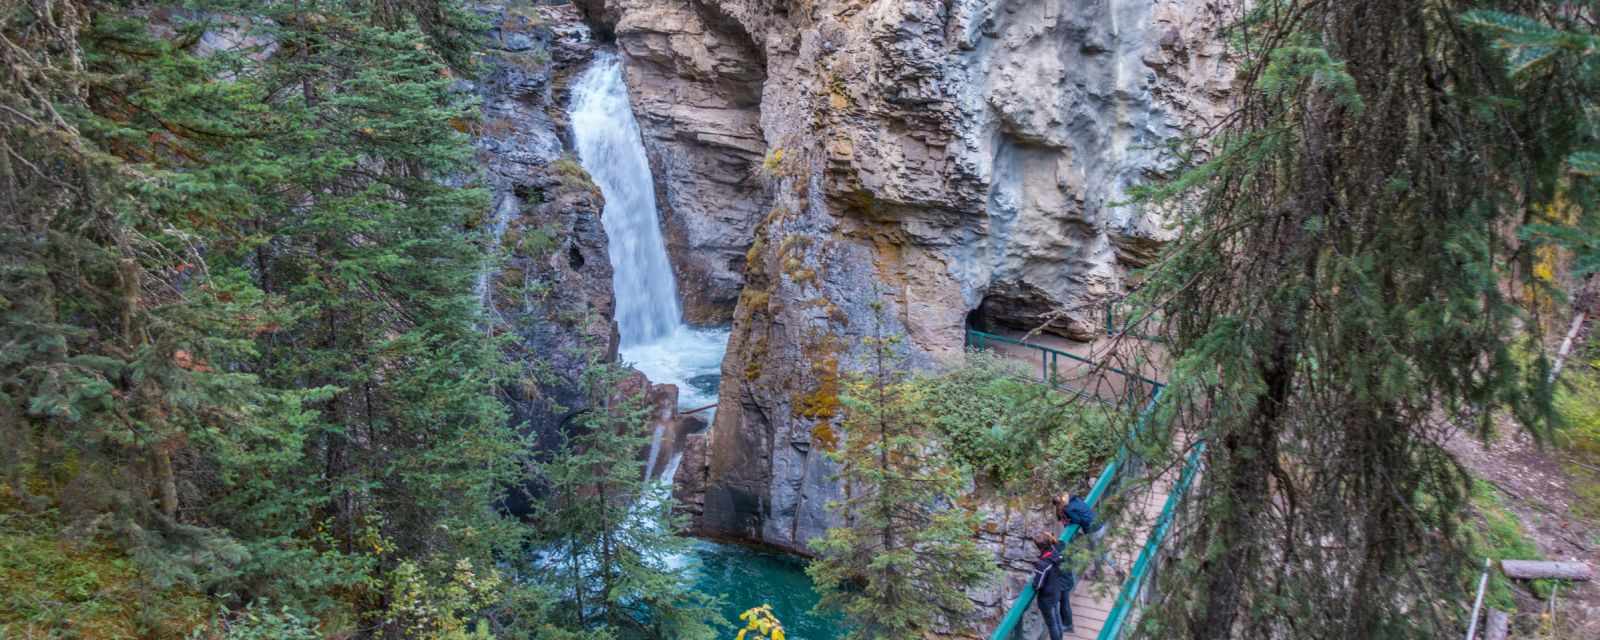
1015	309
1007	312
976	321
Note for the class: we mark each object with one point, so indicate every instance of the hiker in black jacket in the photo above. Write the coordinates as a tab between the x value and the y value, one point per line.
1052	585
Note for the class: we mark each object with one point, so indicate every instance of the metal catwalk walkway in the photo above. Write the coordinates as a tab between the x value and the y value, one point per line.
1103	607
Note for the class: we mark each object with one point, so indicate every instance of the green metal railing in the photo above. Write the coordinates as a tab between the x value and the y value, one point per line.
1049	360
1102	484
1145	565
1019	607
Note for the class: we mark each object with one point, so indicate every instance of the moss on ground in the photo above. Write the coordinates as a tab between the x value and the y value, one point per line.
1578	410
1499	536
53	586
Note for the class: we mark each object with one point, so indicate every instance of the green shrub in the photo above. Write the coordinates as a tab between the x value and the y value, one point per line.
263	623
1016	435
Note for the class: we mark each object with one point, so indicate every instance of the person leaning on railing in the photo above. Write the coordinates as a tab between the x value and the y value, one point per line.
1071	509
1052	585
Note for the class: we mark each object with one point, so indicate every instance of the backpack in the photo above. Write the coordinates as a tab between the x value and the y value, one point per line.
1041	574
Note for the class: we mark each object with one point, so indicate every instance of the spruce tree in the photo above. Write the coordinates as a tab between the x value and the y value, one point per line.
236	299
609	538
899	566
366	244
1338	303
120	330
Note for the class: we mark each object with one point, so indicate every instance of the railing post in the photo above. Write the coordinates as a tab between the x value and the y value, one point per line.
1477	604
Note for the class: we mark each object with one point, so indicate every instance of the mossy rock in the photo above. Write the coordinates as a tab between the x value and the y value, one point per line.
824	436
822	402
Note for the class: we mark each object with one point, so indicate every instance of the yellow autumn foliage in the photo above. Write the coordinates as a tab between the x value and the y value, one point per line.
760	620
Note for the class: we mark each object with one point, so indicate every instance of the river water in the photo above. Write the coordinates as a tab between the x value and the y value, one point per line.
657	342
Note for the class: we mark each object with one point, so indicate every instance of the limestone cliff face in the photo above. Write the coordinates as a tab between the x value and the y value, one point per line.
552	287
695	81
894	166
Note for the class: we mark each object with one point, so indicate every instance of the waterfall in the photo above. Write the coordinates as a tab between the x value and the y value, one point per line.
607	137
656	342
671	472
654	338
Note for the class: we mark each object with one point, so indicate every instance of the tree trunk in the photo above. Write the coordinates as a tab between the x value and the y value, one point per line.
1580	314
167	481
1252	456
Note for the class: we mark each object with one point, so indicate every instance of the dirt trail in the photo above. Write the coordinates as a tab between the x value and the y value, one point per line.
1538	490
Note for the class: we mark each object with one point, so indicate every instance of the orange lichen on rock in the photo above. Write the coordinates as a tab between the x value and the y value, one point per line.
822	402
824	436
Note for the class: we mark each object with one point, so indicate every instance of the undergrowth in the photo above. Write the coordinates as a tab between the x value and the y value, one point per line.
1016	435
53	585
1499	536
1578	409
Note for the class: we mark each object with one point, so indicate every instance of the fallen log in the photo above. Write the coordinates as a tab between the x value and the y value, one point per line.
1539	569
1499	625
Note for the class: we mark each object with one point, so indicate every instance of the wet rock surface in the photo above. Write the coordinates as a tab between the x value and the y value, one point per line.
552	287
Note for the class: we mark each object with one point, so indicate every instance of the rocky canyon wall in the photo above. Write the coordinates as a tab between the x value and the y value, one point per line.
551	288
894	166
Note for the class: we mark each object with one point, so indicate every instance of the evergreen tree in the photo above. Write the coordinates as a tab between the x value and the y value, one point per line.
238	310
610	540
1337	304
365	243
899	566
120	329
1552	58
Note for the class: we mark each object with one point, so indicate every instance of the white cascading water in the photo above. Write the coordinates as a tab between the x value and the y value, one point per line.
608	144
654	338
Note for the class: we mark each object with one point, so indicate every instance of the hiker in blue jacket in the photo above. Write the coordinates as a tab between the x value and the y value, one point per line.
1052	585
1071	509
